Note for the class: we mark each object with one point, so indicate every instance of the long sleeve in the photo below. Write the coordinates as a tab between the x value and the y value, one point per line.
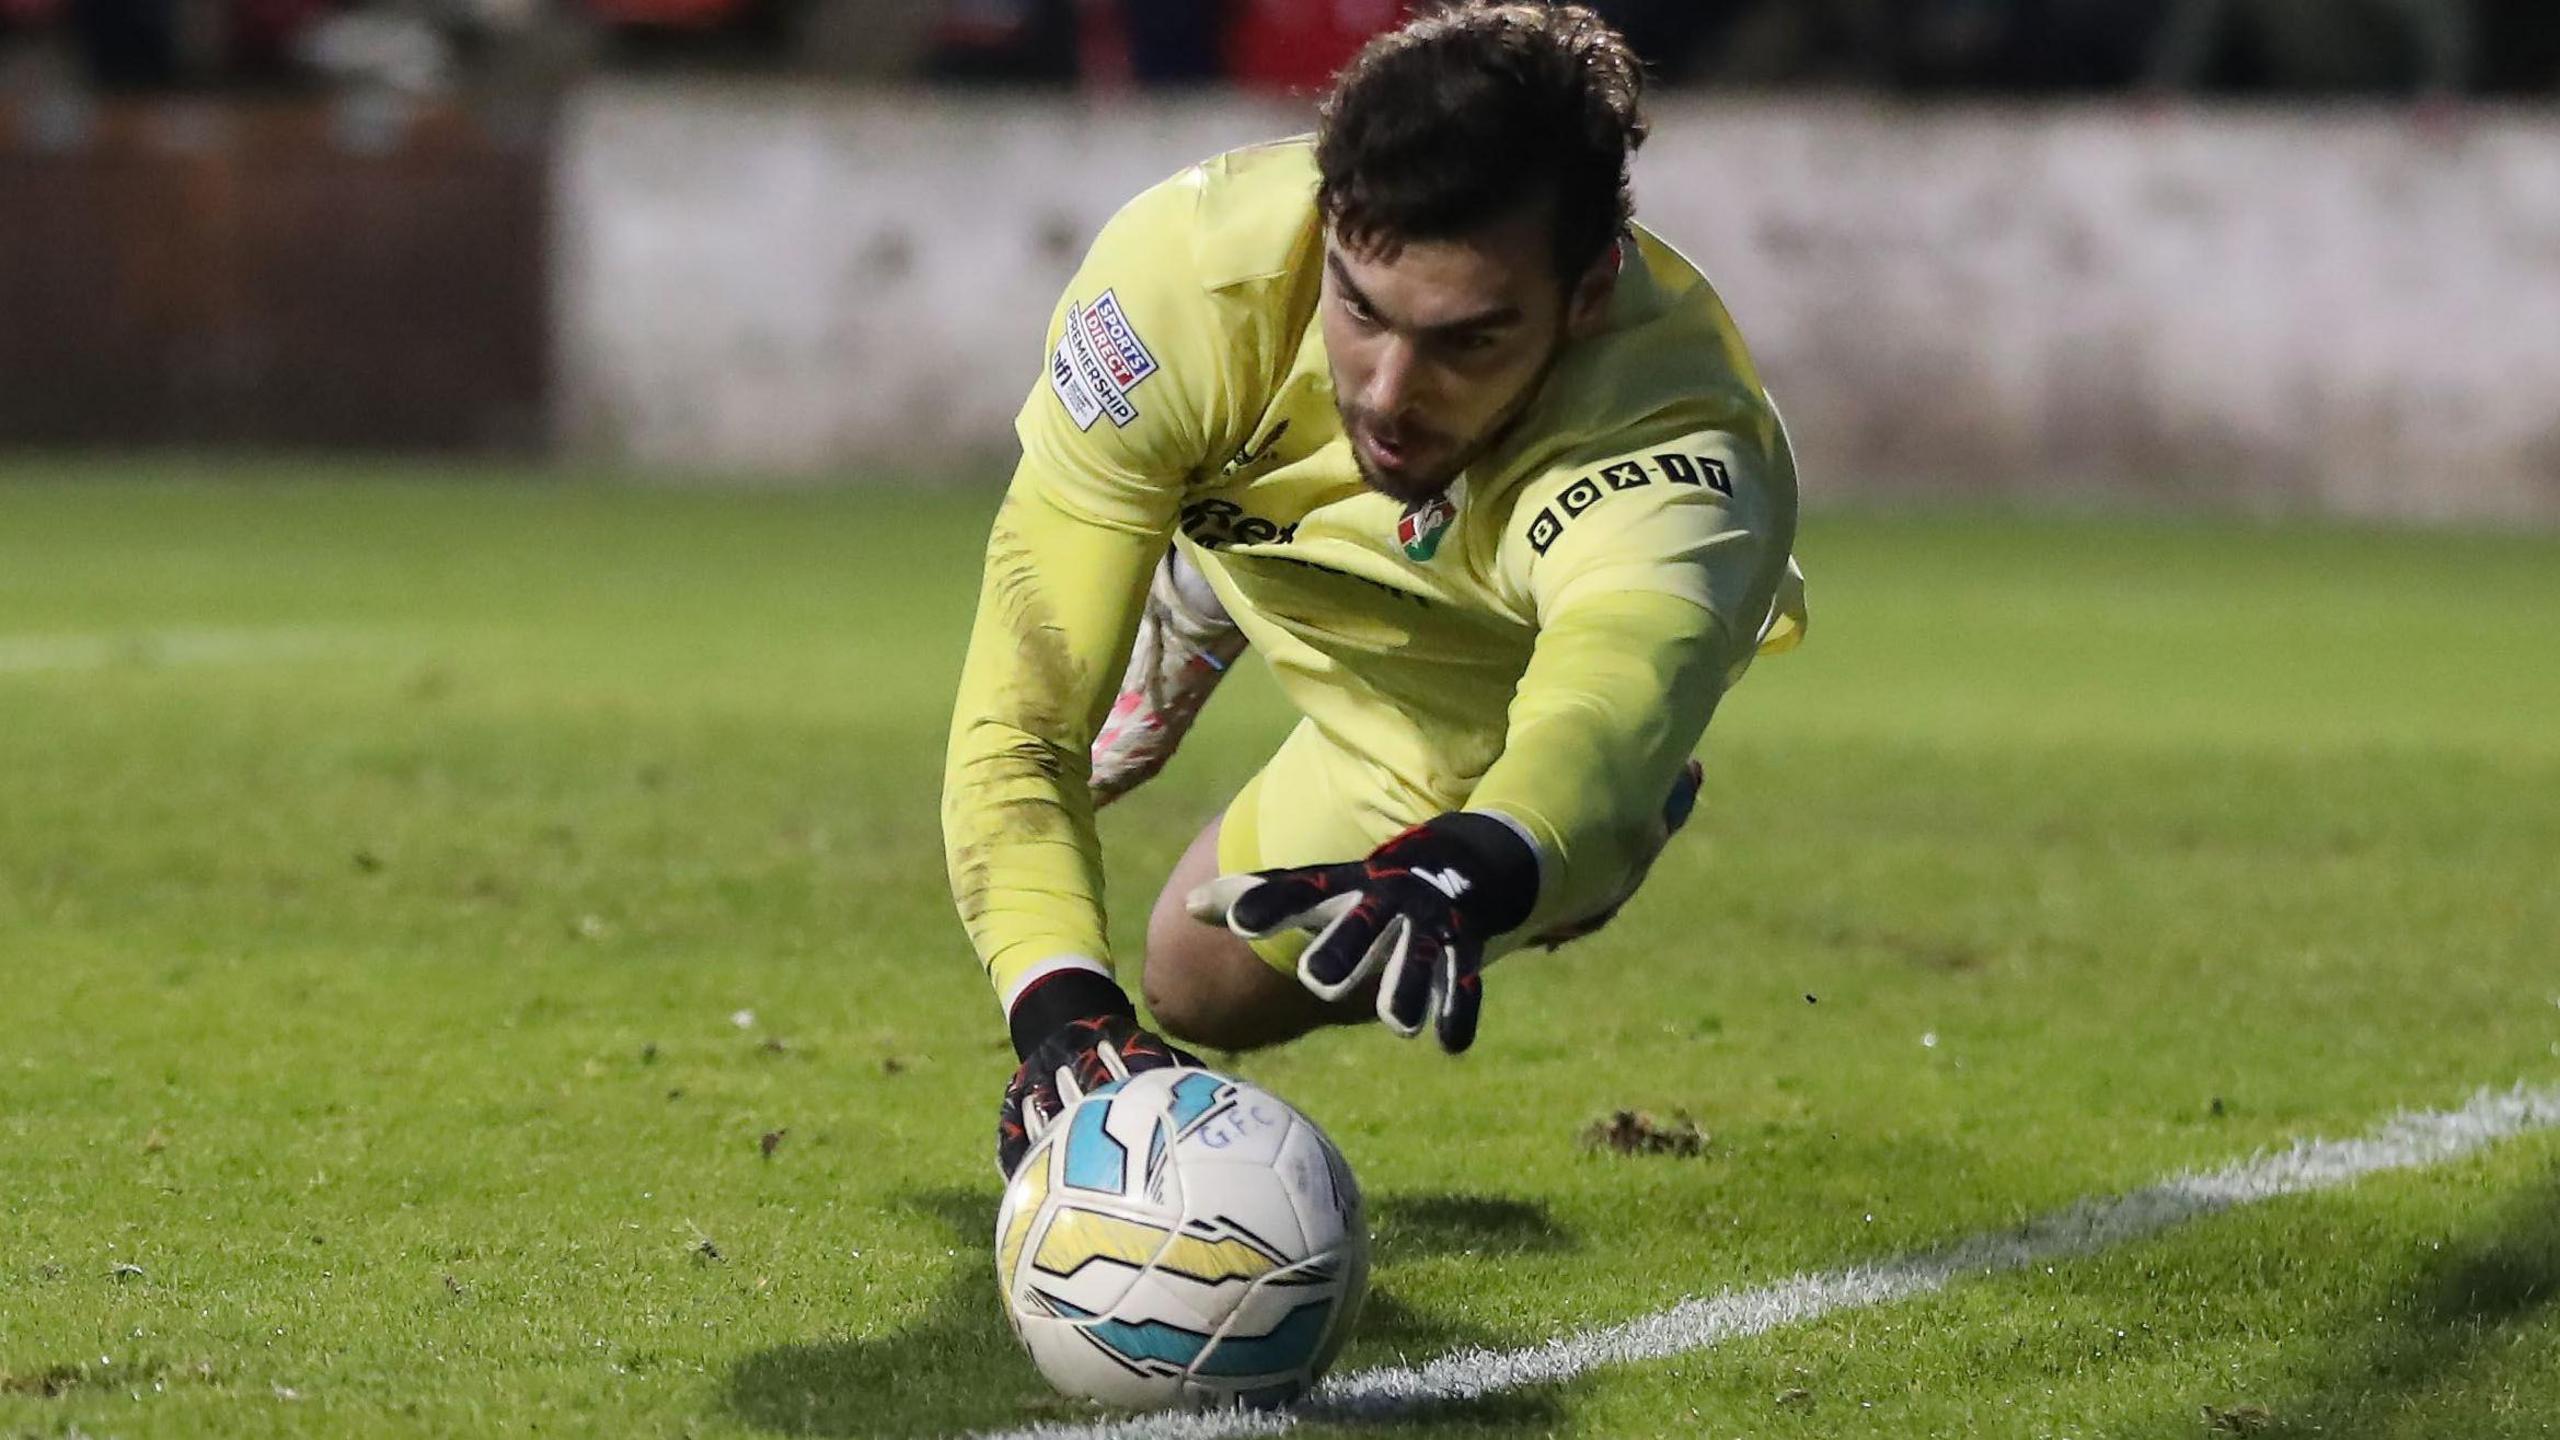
1616	696
1131	400
1056	609
1656	578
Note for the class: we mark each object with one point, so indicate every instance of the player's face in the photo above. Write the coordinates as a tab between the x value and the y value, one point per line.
1437	350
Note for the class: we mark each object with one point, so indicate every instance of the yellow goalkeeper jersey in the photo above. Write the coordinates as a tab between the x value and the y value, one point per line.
1546	644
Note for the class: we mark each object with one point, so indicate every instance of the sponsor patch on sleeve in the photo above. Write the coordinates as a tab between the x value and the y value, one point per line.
1099	360
1676	469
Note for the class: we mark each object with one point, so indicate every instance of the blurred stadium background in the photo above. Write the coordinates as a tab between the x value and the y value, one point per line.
2285	256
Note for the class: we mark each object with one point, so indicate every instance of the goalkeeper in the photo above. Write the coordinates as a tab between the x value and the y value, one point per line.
1483	472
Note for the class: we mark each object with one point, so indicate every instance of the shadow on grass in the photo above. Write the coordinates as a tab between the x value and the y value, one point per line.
2440	1353
958	1367
1410	1227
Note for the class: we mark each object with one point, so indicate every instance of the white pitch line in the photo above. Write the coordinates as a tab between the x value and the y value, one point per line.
2407	1141
20	654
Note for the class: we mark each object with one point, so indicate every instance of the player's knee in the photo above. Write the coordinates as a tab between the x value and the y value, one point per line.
1181	987
1185	1007
1174	1008
1205	987
1192	990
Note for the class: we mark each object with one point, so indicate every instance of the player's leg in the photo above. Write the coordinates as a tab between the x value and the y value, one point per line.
1205	985
1203	982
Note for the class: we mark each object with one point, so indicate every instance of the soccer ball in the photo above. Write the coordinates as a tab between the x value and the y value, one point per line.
1182	1239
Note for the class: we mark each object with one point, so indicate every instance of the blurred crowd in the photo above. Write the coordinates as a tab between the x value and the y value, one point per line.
2415	47
2425	48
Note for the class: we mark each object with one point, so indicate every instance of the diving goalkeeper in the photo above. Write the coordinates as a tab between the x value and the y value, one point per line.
1483	472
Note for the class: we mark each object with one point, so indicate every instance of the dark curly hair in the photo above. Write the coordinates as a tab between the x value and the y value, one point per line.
1471	112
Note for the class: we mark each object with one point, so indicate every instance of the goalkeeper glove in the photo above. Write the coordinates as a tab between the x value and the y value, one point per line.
1414	915
1076	1032
1185	644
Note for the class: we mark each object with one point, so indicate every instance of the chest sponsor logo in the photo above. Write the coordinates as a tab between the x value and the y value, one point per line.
1217	524
1099	360
1703	471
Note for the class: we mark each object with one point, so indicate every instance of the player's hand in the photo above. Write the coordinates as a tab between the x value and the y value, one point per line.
1073	1057
1414	916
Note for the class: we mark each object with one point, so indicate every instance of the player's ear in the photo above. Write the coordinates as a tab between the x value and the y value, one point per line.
1586	309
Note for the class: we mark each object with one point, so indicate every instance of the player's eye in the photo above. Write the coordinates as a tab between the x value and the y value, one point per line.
1466	346
1358	309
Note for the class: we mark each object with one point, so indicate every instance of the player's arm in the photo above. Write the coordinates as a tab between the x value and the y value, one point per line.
1126	410
1656	578
1057	602
1617	693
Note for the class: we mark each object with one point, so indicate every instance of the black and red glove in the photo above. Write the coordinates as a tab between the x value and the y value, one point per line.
1075	1032
1414	916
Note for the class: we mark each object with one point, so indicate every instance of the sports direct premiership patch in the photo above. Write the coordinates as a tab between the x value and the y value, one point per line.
1099	360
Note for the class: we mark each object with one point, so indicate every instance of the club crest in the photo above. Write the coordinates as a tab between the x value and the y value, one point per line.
1422	526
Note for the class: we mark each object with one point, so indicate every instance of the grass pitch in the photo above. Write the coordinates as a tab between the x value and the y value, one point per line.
474	959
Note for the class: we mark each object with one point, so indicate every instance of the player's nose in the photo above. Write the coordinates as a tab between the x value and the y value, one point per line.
1389	392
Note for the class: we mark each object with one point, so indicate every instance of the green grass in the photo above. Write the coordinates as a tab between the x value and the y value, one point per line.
378	999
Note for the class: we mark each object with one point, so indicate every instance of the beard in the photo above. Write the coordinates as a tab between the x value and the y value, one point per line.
1415	484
